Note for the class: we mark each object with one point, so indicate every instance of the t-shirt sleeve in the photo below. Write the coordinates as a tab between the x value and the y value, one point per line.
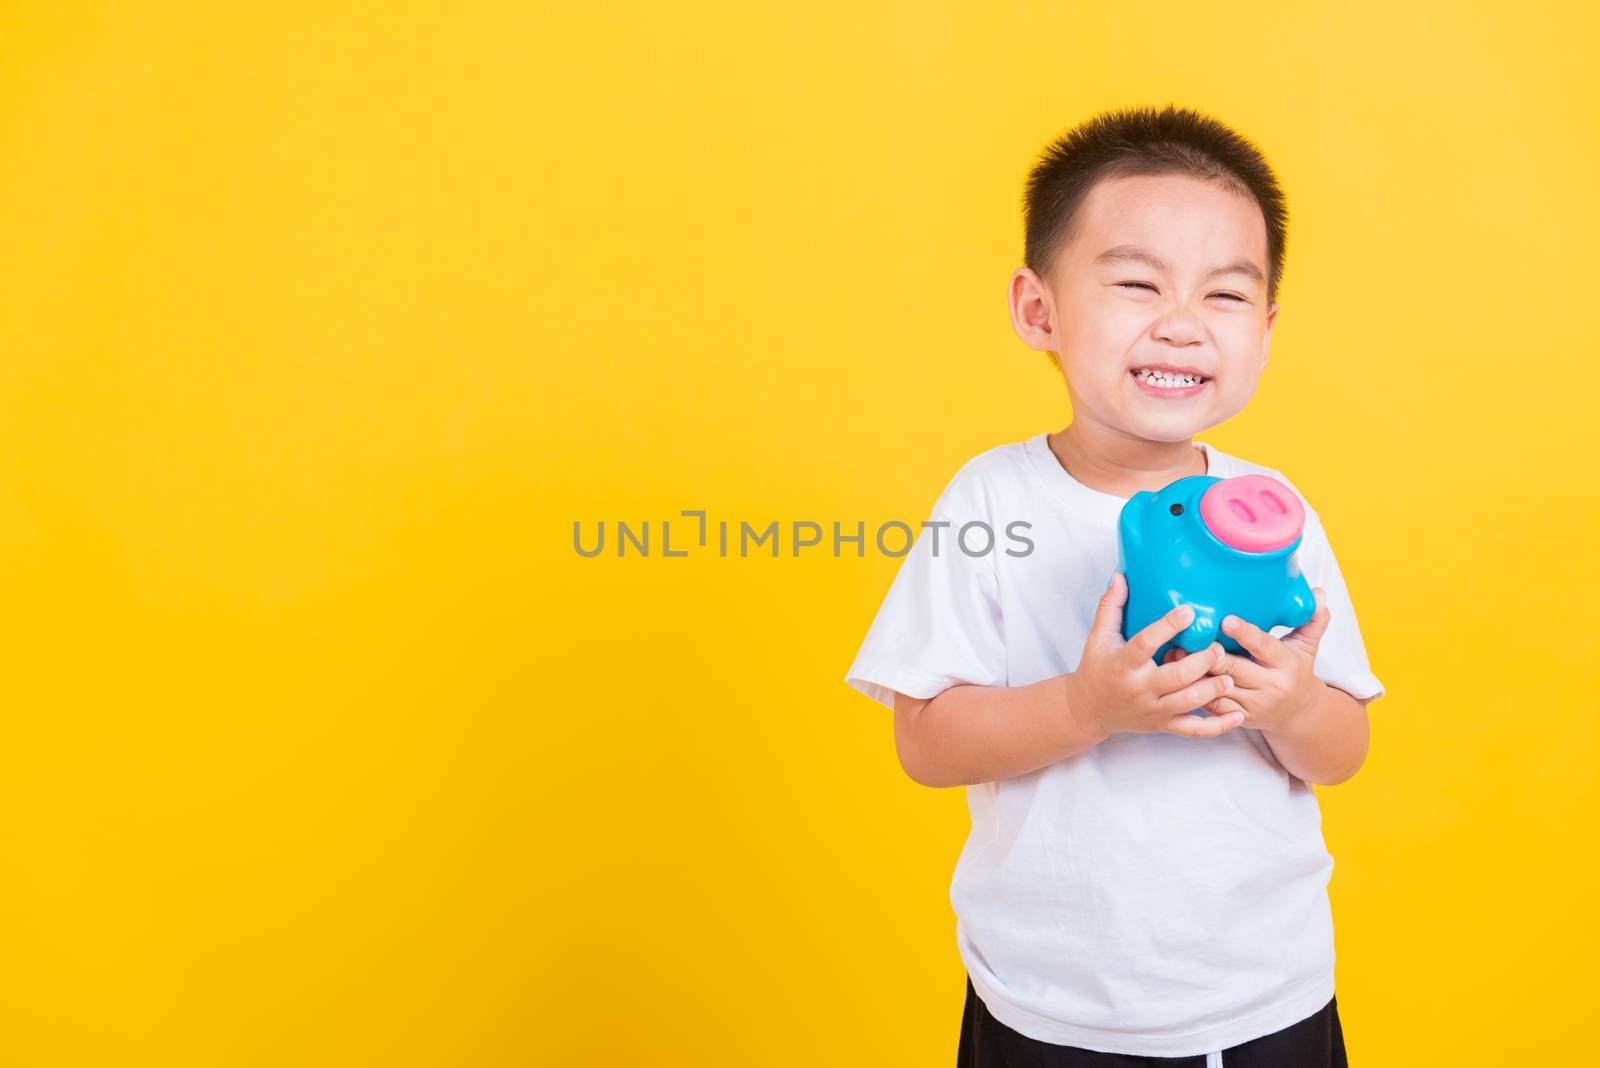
1342	655
939	625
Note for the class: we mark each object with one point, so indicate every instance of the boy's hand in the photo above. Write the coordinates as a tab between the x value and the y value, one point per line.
1278	686
1119	687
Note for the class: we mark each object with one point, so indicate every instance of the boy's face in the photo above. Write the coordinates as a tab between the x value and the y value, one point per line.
1135	288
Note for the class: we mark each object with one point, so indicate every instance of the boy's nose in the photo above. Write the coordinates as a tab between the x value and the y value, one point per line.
1252	513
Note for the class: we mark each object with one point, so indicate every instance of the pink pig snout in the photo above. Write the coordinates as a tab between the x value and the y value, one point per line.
1252	513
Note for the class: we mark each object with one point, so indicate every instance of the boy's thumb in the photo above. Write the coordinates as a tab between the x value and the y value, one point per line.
1108	614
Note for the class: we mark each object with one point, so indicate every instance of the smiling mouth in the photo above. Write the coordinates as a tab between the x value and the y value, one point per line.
1162	380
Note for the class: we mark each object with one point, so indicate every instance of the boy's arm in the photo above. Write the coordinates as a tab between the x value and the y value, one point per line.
970	734
973	734
1327	745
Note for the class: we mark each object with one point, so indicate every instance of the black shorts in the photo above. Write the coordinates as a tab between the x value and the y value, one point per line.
1315	1042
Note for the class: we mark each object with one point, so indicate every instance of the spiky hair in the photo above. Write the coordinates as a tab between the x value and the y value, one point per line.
1144	141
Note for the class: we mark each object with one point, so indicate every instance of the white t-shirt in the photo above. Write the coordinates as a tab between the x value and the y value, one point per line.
1151	895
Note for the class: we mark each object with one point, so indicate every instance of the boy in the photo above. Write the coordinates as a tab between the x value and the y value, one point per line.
1145	881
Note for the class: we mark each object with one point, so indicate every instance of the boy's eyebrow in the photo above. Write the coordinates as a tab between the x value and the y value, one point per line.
1123	253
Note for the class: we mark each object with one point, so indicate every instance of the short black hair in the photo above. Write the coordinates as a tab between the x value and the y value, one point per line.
1144	141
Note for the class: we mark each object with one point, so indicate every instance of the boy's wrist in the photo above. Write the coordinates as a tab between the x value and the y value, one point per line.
1076	713
1300	713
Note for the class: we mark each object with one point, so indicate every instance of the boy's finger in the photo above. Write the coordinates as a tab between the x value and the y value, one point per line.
1190	726
1195	695
1181	671
1108	613
1143	645
1257	642
1309	634
1225	705
1246	673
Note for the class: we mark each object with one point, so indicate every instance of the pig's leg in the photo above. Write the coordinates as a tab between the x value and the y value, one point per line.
1201	632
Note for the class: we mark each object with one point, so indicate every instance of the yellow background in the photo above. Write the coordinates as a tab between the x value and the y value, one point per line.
320	325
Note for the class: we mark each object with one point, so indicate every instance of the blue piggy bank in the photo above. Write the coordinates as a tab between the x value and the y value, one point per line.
1225	546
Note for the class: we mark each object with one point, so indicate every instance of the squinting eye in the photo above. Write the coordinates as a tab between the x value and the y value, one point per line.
1146	285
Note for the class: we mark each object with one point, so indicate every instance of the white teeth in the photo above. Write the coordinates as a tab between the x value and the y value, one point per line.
1165	380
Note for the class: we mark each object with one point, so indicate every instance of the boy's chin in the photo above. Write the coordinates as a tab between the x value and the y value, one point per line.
1172	428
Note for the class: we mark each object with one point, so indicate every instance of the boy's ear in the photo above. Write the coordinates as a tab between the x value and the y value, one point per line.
1266	338
1031	308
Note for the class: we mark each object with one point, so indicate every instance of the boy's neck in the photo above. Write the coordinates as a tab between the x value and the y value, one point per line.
1114	463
